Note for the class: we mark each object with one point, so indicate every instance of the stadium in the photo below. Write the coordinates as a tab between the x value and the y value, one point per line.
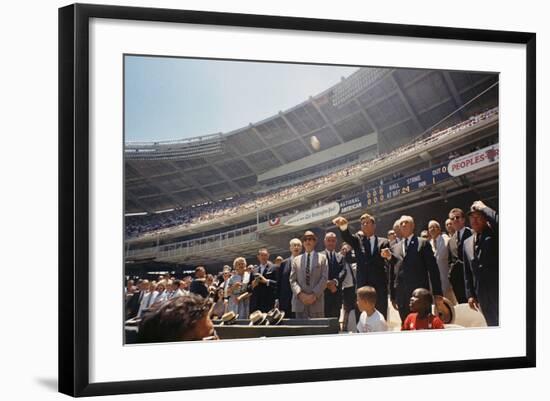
391	142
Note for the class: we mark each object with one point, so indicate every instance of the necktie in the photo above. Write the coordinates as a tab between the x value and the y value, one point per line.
352	275
368	248
308	269
476	240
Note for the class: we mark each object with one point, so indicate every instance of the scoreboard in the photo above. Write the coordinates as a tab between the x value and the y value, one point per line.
408	184
379	193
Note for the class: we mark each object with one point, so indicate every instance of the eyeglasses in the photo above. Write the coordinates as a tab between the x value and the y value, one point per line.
309	239
455	217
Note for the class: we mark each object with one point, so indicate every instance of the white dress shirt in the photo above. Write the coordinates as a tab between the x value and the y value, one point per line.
371	241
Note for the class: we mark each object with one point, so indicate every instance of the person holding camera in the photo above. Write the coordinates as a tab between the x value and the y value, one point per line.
264	283
239	288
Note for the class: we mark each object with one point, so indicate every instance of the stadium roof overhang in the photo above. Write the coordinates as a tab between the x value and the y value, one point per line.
396	105
440	149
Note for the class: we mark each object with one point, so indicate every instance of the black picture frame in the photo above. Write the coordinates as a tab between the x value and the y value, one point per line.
74	194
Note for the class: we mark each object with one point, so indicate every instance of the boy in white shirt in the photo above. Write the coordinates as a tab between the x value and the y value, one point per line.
370	319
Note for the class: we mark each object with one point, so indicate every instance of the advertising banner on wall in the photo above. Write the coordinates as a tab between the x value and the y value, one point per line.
474	161
310	216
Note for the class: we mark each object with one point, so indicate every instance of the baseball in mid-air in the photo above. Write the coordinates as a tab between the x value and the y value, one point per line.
315	144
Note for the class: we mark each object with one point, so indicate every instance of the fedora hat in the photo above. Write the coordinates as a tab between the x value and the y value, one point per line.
244	296
229	318
474	209
309	234
275	316
257	318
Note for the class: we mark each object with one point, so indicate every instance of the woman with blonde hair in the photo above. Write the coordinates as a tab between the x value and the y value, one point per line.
238	289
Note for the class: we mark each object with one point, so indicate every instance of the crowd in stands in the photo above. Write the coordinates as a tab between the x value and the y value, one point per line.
355	277
156	223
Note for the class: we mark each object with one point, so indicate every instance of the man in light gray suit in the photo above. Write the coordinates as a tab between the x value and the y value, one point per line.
308	280
440	243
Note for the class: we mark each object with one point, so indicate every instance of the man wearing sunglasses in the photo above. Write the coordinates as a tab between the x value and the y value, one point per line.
308	280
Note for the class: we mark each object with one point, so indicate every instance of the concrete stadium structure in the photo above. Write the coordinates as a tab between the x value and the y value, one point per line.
369	114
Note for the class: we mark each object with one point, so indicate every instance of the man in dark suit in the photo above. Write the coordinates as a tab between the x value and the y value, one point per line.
133	303
371	267
284	292
481	262
456	259
333	292
198	285
264	285
413	265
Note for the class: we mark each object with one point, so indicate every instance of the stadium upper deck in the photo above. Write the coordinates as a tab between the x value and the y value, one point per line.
380	109
437	145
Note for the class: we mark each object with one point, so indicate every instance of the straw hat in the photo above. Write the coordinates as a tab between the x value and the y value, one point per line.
243	296
257	318
309	234
229	318
275	316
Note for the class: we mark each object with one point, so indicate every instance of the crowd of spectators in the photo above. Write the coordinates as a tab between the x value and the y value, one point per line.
357	277
157	223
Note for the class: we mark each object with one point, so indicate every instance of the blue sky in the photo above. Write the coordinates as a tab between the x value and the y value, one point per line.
174	98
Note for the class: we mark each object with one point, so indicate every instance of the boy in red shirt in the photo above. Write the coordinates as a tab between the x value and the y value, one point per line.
421	317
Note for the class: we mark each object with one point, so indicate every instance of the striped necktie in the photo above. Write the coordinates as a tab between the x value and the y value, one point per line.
308	269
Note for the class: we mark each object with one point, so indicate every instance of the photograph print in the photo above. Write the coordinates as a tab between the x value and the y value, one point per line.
270	199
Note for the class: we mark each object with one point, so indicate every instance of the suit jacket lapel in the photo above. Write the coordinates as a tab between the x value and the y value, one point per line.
471	248
329	259
482	238
314	260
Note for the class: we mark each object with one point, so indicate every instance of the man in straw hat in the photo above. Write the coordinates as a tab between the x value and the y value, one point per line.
308	280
